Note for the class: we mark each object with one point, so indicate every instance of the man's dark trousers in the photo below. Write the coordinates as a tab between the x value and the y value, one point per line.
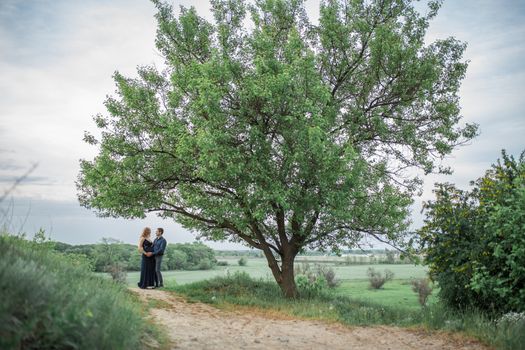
158	275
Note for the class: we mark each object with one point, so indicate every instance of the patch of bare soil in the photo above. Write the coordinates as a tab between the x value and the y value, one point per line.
201	326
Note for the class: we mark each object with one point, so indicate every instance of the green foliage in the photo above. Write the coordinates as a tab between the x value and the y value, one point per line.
49	303
103	256
110	253
176	259
309	288
503	333
318	272
189	256
206	264
377	279
474	240
285	136
116	257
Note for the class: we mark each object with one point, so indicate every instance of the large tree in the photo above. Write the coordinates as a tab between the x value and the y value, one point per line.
266	129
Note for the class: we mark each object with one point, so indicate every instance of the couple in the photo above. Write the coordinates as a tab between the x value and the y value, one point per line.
152	252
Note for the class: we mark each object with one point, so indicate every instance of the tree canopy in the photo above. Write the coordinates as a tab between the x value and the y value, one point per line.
474	240
267	129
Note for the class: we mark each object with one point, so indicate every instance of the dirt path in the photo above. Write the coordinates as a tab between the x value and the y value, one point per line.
199	326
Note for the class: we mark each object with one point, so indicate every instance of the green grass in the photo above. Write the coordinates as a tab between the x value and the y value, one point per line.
240	289
395	293
258	268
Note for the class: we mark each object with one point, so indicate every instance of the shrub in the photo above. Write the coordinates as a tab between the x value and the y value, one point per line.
318	271
312	282
243	261
328	274
205	264
48	303
117	272
423	289
377	279
311	288
222	263
474	240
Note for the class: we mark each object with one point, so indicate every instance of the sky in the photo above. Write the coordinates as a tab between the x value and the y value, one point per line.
57	58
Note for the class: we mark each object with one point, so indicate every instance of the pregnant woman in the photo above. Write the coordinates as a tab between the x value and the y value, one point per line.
147	266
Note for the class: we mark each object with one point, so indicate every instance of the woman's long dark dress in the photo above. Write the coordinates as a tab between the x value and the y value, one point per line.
147	267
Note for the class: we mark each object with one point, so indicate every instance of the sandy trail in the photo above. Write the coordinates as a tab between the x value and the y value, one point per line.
201	326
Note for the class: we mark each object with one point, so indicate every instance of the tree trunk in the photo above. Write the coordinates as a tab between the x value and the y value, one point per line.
287	284
284	275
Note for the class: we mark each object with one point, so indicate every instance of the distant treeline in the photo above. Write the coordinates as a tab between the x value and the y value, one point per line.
345	257
248	253
197	256
259	254
110	252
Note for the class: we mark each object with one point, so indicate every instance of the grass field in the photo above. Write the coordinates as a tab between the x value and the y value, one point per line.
354	283
258	268
396	293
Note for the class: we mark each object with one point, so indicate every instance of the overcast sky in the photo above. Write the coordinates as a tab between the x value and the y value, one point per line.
56	62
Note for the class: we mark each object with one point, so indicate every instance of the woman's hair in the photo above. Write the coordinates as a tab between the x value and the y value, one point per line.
145	232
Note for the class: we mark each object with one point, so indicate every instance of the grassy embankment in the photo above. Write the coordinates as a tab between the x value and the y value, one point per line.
51	301
351	303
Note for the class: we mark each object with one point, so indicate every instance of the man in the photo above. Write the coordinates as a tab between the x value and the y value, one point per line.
159	245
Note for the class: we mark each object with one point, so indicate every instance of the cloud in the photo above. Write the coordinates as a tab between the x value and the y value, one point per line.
42	180
56	63
57	59
67	221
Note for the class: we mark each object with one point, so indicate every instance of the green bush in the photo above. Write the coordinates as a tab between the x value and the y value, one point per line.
311	288
475	241
48	302
318	271
242	261
205	264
